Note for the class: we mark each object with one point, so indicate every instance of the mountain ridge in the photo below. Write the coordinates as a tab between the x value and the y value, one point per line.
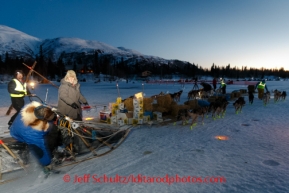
20	44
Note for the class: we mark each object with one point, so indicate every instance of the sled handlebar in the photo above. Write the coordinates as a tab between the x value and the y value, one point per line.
32	97
73	123
61	115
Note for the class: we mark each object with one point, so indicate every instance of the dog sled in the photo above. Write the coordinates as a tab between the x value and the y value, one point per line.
81	141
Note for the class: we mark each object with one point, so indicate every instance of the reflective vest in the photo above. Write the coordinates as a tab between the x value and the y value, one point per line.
261	85
19	87
223	84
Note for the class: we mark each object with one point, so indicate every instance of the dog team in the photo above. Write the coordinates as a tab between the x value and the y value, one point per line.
217	109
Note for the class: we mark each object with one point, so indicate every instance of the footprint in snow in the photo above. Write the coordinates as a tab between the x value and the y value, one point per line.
147	152
270	163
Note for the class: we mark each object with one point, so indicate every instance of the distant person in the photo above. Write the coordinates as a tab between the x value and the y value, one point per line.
70	97
223	86
261	86
17	89
215	83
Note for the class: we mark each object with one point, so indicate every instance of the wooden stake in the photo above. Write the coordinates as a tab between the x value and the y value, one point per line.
9	110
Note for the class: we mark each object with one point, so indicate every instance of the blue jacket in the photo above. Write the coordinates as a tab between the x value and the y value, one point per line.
30	136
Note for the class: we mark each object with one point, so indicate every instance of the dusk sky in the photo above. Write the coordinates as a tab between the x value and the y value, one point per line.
252	33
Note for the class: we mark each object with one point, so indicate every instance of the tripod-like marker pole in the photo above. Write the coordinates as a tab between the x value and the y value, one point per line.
117	90
118	100
143	89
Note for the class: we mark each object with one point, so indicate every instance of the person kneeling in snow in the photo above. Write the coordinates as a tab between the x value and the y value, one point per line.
34	126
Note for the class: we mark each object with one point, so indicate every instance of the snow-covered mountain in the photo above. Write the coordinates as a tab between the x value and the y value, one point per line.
17	43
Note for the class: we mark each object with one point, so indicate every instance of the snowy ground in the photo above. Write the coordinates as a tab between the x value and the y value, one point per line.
253	159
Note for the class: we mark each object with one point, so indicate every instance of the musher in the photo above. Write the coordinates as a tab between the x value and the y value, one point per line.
34	126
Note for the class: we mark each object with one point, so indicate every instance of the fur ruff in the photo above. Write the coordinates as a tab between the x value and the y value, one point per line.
71	73
29	119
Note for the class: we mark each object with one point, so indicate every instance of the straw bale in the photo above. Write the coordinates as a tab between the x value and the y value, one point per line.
158	108
164	101
148	104
174	103
128	103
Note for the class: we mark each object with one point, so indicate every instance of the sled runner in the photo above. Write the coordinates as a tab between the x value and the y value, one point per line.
81	141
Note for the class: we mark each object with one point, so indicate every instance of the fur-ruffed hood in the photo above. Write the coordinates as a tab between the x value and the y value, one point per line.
71	73
29	119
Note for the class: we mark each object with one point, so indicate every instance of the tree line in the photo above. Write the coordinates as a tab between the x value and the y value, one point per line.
98	62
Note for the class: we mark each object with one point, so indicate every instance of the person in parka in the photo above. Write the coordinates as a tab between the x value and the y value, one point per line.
32	126
70	97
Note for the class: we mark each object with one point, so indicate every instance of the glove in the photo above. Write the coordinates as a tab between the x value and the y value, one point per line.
74	105
86	104
53	109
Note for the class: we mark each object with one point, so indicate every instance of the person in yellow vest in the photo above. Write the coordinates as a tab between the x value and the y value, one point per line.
223	85
261	86
17	90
